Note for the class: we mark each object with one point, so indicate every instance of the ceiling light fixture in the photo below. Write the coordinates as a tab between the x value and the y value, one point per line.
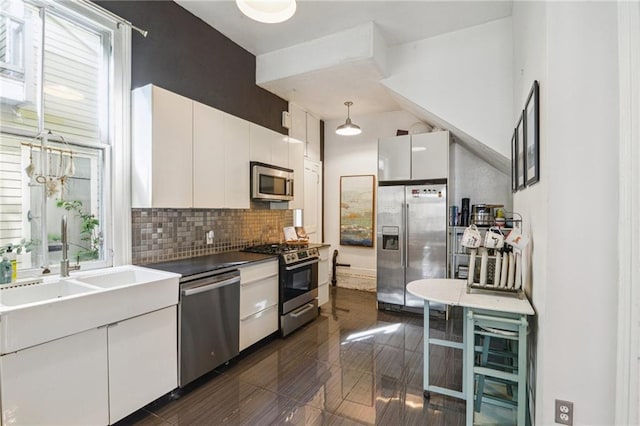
348	128
268	11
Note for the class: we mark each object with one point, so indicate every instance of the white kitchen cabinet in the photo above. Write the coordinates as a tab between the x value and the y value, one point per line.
394	158
313	138
267	146
430	155
298	129
414	157
258	302
209	161
162	152
236	142
306	129
313	200
220	159
143	361
296	163
59	382
323	276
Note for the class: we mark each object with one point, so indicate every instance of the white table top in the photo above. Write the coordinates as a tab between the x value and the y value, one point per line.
438	290
454	292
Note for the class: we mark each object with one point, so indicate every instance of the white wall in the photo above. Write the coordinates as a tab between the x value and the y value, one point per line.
354	155
571	48
464	77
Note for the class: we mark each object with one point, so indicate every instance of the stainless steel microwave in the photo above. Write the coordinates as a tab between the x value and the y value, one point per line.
271	183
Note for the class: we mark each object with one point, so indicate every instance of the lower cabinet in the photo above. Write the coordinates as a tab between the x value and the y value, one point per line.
258	302
96	377
142	361
323	276
59	382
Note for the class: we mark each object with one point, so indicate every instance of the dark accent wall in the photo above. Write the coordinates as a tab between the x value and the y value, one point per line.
185	55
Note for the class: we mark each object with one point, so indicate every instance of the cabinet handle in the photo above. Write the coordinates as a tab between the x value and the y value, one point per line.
256	313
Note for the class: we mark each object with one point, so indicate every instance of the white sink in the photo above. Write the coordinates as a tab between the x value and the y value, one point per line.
111	279
41	292
39	313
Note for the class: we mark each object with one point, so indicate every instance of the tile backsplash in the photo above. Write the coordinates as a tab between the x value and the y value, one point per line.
167	234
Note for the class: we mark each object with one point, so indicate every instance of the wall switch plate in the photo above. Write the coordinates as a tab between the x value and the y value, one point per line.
209	236
564	412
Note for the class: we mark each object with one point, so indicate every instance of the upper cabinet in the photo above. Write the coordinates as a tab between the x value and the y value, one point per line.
306	129
394	158
268	146
414	157
430	155
186	154
162	149
313	138
220	159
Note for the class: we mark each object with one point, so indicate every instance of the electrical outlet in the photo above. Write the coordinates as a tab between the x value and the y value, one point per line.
564	412
209	236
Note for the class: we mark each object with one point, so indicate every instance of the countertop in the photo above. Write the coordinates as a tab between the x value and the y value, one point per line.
211	262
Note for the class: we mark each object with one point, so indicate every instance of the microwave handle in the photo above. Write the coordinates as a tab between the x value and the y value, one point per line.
289	187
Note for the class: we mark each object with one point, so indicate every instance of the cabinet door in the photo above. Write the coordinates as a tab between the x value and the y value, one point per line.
143	361
209	141
298	128
323	276
59	382
279	149
161	148
430	155
236	140
313	138
394	158
296	162
258	326
260	144
172	150
313	200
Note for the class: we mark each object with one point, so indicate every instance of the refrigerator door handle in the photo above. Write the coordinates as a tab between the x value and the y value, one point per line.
405	249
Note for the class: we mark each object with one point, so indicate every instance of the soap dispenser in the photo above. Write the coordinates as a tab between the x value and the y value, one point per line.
5	271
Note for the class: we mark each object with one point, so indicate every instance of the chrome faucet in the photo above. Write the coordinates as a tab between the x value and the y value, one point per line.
64	263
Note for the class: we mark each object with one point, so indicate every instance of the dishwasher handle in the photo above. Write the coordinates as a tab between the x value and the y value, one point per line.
209	287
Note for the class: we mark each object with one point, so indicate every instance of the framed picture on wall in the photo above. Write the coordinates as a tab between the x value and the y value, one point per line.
532	136
520	144
356	210
514	163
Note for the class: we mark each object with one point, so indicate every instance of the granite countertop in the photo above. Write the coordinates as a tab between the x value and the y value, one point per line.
211	262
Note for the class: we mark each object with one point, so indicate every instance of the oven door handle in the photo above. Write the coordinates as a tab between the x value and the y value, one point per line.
306	308
209	287
300	265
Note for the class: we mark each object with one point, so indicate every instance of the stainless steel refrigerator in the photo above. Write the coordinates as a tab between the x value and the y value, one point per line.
411	241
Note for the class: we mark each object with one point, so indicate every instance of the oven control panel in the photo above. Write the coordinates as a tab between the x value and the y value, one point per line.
300	255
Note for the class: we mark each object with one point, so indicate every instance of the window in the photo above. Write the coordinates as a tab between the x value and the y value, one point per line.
63	75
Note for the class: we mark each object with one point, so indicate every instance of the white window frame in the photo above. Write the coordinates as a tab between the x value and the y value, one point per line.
116	221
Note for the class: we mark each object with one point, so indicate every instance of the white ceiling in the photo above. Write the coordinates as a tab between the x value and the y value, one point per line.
323	92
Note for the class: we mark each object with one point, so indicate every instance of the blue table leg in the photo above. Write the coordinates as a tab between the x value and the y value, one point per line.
469	341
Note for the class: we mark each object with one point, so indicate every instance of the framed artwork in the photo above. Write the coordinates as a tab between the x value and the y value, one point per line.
514	163
520	143
356	210
532	136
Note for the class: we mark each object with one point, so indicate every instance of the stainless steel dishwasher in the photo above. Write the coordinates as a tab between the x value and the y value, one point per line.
208	315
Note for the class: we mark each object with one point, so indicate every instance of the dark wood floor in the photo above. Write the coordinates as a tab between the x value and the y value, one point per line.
353	365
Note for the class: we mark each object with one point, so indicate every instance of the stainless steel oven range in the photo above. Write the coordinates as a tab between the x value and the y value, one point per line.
298	283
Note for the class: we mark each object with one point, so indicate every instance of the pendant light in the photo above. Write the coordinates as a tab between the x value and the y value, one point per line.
348	128
268	11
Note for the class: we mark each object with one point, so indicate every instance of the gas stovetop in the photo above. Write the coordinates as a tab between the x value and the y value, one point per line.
289	253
